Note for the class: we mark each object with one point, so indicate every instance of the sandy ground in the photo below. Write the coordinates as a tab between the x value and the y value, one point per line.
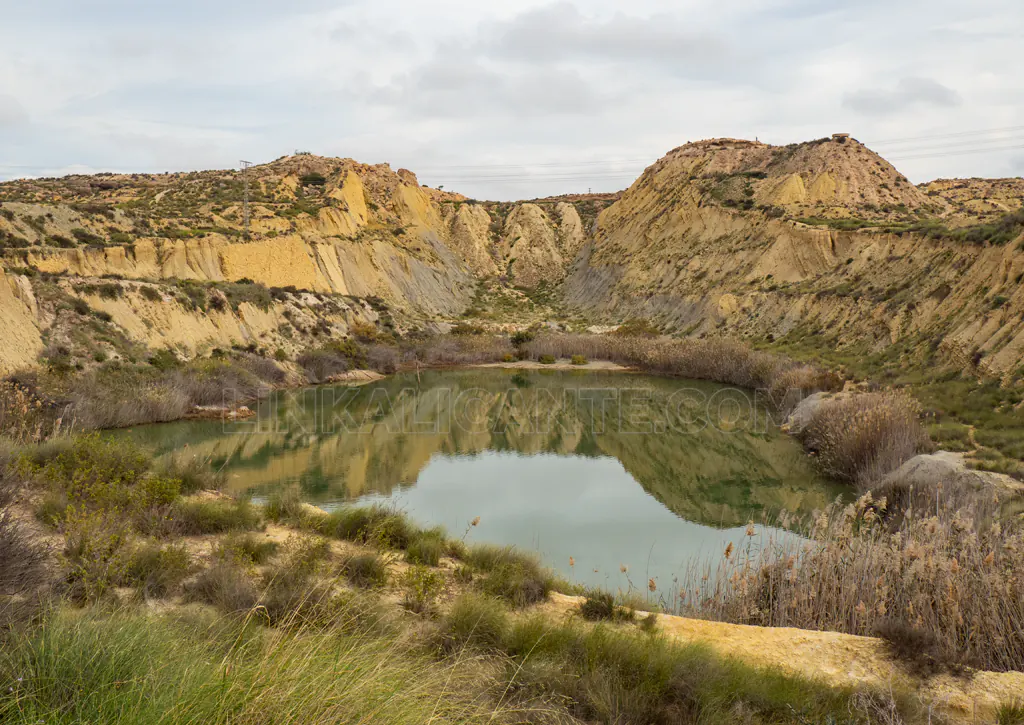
839	659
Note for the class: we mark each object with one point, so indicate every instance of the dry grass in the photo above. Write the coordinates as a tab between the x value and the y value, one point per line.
25	417
117	396
863	437
937	571
721	361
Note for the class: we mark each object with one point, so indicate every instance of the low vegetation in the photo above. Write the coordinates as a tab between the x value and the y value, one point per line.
863	437
947	575
294	631
721	361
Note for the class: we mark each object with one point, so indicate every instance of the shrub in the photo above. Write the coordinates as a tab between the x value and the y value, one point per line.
366	570
196	517
225	585
863	437
95	553
917	648
511	575
546	359
23	561
194	474
598	605
96	472
283	506
247	549
158	570
422	586
474	621
24	416
426	548
312	179
578	360
377	525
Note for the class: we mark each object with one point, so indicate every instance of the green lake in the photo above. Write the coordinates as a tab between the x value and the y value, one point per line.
614	470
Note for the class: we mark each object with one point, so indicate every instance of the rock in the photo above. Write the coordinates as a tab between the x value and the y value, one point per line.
948	468
356	377
221	412
804	412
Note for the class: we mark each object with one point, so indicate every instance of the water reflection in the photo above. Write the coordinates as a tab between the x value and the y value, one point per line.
609	469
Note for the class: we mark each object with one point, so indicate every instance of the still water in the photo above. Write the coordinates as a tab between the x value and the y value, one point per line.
614	470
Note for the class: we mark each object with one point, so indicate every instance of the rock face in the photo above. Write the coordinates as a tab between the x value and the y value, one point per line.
22	340
710	239
721	236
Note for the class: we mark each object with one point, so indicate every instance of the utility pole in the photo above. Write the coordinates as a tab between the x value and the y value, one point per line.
245	203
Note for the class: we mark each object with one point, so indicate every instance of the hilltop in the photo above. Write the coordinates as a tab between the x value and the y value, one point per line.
724	234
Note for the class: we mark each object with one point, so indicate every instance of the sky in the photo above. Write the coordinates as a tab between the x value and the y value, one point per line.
502	99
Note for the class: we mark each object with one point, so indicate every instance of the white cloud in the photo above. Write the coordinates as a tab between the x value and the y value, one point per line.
908	93
507	85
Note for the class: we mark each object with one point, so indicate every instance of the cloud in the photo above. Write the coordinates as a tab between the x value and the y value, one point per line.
460	88
560	32
520	85
908	93
11	112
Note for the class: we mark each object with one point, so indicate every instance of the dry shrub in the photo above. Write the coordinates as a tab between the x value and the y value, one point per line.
25	417
937	571
117	396
863	437
720	361
463	350
225	585
384	359
23	573
22	558
321	365
96	555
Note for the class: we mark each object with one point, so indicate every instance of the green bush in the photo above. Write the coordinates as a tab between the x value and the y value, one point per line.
246	548
474	621
422	585
158	570
312	179
579	360
546	359
210	516
511	575
426	548
366	570
95	555
376	525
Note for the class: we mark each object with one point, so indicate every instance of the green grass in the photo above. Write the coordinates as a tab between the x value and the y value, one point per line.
378	525
512	575
610	676
192	668
366	570
197	517
247	548
158	570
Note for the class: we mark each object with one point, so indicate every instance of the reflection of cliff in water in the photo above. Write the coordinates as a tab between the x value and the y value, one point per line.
718	468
